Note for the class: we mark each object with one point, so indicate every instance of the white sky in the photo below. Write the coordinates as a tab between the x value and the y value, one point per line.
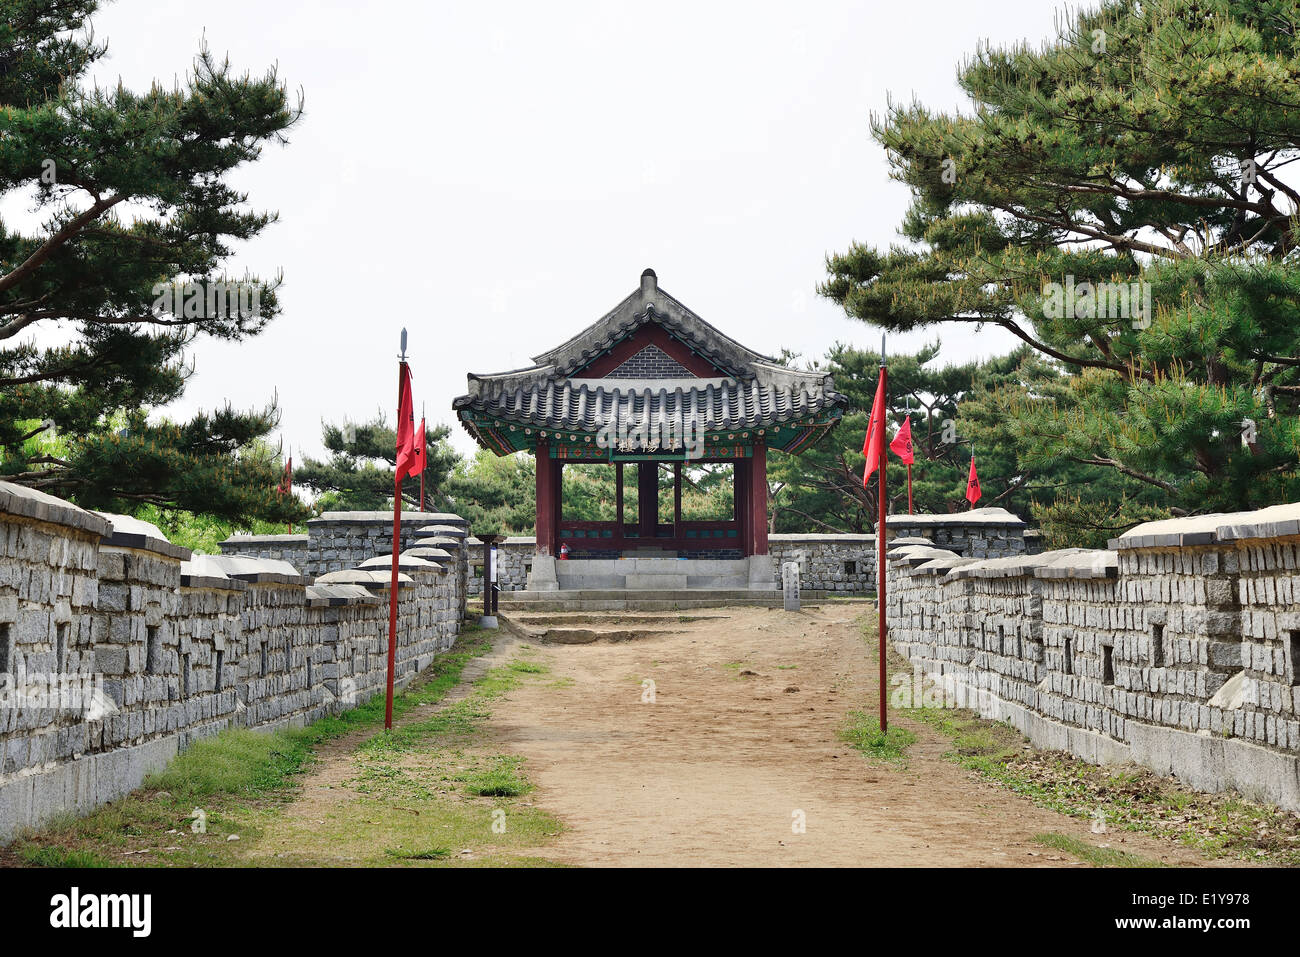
495	176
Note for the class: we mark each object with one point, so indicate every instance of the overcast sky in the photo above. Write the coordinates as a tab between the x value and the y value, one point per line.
495	176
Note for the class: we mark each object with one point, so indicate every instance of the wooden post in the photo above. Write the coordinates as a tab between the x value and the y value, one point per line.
647	499
758	500
558	491
546	530
740	490
677	500
618	503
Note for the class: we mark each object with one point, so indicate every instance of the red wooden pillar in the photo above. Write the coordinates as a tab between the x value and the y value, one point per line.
647	498
758	501
546	496
677	501
619	529
558	465
740	488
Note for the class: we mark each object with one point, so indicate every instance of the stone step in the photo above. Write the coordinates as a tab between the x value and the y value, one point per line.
667	594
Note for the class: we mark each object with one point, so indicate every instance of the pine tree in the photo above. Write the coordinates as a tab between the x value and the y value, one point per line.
359	472
102	303
1147	143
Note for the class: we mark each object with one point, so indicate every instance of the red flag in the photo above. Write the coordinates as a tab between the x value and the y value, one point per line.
972	484
286	480
417	453
406	462
902	444
871	446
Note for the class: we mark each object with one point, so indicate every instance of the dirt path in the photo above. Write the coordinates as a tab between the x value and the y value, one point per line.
714	770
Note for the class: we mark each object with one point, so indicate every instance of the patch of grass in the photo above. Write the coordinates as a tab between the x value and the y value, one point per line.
362	833
863	732
38	856
1091	853
734	665
430	854
528	668
502	779
236	761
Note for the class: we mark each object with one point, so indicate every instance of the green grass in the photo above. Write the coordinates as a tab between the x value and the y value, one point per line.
863	732
527	668
37	856
502	779
430	854
237	761
1091	853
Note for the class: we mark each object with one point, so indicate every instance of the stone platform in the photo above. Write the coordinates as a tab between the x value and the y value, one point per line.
650	574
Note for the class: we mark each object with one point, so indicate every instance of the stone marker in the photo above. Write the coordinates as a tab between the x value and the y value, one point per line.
790	585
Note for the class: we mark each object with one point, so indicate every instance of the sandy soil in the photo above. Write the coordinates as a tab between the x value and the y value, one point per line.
715	769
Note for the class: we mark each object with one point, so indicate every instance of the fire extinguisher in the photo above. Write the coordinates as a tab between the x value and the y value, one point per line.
564	551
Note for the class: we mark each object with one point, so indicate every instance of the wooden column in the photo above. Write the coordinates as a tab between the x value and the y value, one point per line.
677	500
546	530
758	501
647	498
740	490
618	500
558	465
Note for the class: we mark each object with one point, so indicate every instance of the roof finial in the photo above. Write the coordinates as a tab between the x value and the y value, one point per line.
649	283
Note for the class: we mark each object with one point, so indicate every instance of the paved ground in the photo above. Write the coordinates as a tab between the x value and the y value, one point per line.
742	736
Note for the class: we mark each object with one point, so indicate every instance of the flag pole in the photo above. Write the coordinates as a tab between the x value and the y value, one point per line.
289	489
422	459
907	412
880	546
393	563
972	465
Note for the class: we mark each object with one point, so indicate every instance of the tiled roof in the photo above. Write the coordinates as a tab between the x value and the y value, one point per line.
585	405
757	393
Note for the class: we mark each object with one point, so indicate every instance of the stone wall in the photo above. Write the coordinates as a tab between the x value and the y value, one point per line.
514	562
340	540
830	563
1177	648
118	648
977	533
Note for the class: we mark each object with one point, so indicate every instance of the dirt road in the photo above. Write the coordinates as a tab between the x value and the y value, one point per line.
739	741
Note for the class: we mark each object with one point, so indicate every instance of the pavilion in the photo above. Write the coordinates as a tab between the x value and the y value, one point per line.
648	383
